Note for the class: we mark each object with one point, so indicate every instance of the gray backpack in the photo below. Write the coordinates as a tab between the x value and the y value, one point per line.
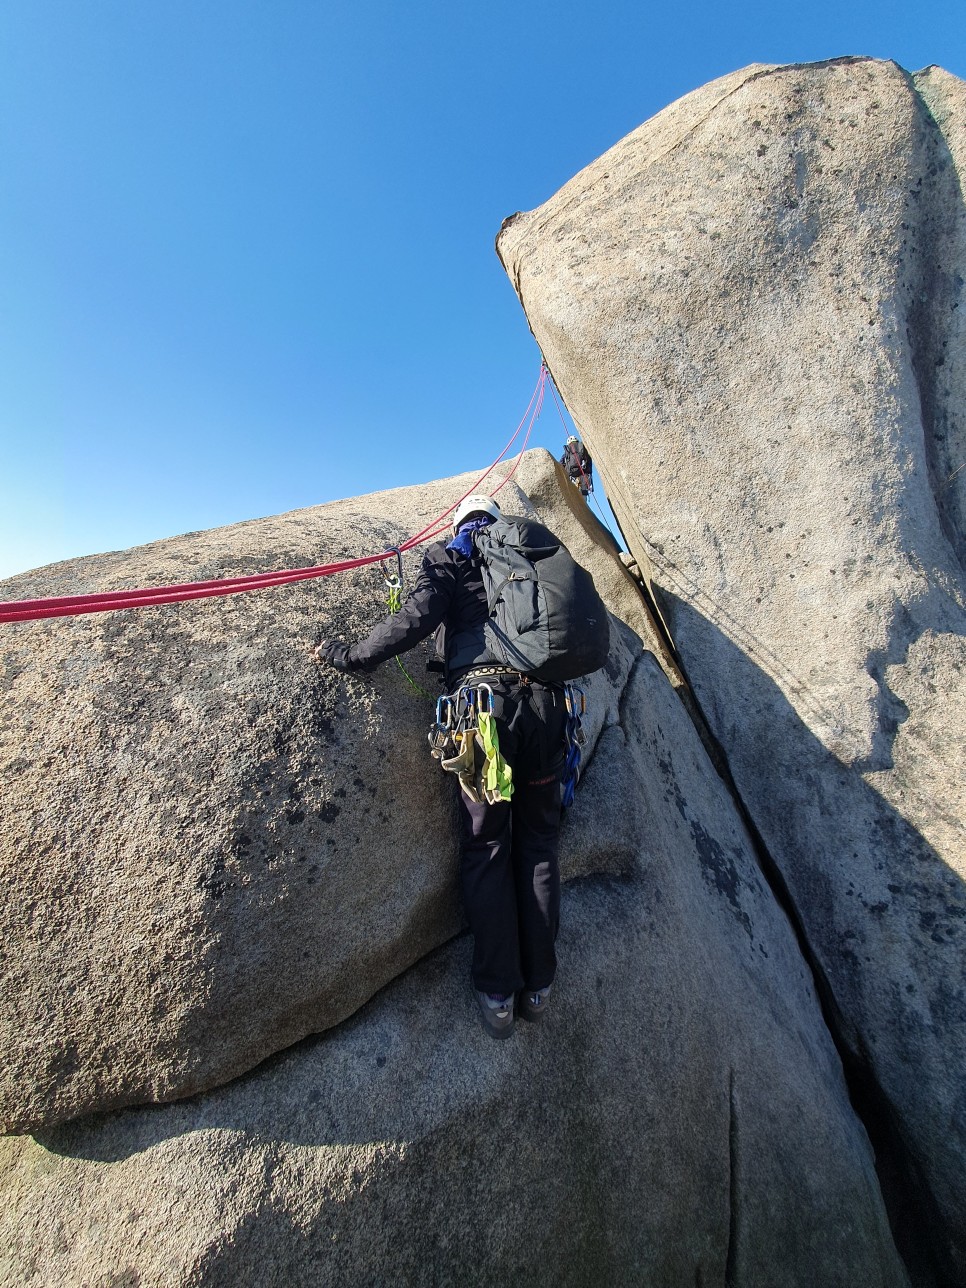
546	617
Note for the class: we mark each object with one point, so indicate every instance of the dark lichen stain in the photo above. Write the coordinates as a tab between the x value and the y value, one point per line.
720	870
215	883
673	789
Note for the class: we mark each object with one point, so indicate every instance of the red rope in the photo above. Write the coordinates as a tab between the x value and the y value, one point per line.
438	532
535	397
27	610
533	419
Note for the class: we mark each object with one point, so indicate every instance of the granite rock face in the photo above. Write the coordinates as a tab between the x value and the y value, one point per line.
211	846
754	307
679	1116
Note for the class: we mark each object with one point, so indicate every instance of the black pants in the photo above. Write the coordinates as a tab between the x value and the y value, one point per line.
511	881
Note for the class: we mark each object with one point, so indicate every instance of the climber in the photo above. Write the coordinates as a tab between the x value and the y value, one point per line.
576	461
508	861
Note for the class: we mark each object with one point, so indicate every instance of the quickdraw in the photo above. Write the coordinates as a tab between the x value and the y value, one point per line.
465	741
394	589
394	580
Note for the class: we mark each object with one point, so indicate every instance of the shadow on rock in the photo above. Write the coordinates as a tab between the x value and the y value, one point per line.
881	918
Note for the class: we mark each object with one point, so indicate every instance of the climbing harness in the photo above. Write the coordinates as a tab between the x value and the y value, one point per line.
497	670
394	589
575	739
465	741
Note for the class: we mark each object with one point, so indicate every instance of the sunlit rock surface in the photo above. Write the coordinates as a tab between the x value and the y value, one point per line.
211	846
679	1117
754	307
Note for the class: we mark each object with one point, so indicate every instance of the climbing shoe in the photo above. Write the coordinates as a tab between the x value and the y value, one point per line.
497	1012
533	1003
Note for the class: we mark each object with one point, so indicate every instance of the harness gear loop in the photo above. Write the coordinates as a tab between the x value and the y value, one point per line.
496	671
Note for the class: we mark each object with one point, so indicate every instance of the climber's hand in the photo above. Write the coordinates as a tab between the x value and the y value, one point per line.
332	653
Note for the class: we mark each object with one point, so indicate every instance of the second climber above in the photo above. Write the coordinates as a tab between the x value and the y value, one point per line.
580	468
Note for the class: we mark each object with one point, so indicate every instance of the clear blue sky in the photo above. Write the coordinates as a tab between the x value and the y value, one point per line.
246	246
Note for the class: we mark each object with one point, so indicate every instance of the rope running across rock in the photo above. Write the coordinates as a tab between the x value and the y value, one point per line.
27	610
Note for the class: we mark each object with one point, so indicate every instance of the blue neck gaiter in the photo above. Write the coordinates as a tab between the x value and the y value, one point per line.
463	541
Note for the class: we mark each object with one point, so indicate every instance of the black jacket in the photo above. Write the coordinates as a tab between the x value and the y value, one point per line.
576	461
447	594
448	597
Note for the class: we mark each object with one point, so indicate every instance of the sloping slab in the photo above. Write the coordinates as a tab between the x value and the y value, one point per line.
679	1117
212	847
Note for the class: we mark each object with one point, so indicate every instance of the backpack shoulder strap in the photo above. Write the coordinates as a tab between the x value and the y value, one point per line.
502	559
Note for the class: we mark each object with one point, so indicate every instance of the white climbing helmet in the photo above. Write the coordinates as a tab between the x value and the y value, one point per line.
572	439
478	504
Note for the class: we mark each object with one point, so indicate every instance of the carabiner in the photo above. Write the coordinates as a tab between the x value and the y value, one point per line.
394	580
471	700
484	699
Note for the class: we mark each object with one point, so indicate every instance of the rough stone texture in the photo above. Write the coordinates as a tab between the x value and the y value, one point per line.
679	1118
210	846
754	308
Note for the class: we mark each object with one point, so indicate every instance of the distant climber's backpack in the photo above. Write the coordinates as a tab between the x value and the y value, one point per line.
546	617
